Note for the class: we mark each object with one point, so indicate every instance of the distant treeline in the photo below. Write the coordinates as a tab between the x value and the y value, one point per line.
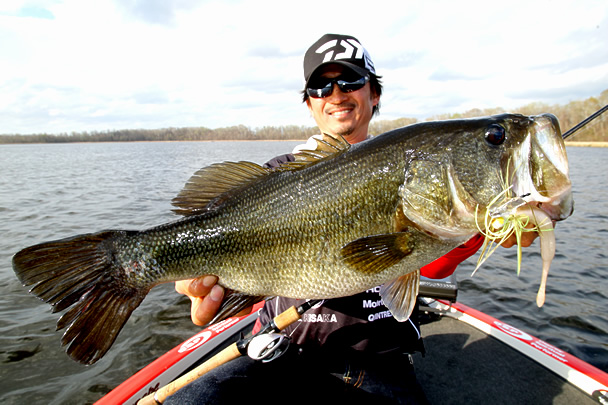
235	133
568	115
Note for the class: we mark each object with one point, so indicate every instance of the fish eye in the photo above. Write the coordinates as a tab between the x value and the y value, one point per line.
495	135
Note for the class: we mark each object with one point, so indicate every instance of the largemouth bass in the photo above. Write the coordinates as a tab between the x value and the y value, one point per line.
338	221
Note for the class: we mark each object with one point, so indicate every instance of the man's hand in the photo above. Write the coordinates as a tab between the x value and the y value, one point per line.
206	296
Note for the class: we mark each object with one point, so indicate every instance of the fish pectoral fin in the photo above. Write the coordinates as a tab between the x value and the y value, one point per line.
400	295
211	185
373	254
233	303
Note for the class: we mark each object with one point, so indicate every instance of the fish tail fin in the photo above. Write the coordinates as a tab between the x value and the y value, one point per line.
82	274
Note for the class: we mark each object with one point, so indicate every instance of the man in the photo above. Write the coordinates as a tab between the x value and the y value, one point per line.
347	348
340	113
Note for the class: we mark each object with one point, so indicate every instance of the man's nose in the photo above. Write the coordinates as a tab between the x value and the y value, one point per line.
336	95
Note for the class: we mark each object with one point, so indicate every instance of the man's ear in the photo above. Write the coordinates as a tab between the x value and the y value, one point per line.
374	97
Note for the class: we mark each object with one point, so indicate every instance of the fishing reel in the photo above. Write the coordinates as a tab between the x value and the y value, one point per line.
267	347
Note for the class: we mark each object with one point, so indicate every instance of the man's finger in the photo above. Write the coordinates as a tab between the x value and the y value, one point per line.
198	287
204	309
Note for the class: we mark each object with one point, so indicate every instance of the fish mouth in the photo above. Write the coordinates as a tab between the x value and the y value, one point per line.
540	169
539	195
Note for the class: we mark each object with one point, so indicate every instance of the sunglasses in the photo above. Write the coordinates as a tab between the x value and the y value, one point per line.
323	86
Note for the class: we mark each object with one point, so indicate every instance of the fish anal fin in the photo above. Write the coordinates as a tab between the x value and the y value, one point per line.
400	295
209	186
233	303
374	254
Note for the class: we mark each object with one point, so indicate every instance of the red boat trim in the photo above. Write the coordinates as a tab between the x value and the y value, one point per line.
583	375
173	363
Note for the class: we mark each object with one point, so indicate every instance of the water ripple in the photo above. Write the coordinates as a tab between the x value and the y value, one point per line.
56	191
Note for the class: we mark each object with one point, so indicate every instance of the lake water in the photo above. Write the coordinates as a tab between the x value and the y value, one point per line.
54	191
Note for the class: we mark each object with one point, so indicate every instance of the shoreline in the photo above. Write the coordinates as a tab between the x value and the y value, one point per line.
588	144
155	141
568	143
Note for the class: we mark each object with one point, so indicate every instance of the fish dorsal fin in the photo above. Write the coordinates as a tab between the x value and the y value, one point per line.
318	147
399	295
204	189
373	254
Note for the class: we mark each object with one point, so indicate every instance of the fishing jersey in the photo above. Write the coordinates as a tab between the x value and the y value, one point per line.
360	322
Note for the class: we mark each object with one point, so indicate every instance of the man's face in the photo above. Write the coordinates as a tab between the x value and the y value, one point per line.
346	114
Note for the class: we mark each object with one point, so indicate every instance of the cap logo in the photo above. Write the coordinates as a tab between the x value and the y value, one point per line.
352	50
347	49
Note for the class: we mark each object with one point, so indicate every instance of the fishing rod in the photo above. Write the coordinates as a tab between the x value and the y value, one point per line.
271	350
585	121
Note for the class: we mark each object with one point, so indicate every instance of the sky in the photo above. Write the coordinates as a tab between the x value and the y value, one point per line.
101	65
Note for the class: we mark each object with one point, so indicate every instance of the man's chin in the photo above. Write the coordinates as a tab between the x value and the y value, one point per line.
342	130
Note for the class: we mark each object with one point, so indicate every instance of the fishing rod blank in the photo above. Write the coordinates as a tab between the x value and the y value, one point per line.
585	121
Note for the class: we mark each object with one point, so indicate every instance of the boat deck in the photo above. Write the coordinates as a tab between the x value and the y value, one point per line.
463	365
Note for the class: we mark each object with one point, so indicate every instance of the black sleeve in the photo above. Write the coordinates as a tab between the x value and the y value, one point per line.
279	160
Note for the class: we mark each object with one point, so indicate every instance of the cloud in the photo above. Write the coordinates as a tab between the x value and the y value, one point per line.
134	63
444	74
162	12
583	48
28	9
35	12
563	94
151	96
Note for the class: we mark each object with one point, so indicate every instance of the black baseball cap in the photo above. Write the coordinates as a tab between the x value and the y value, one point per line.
341	49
